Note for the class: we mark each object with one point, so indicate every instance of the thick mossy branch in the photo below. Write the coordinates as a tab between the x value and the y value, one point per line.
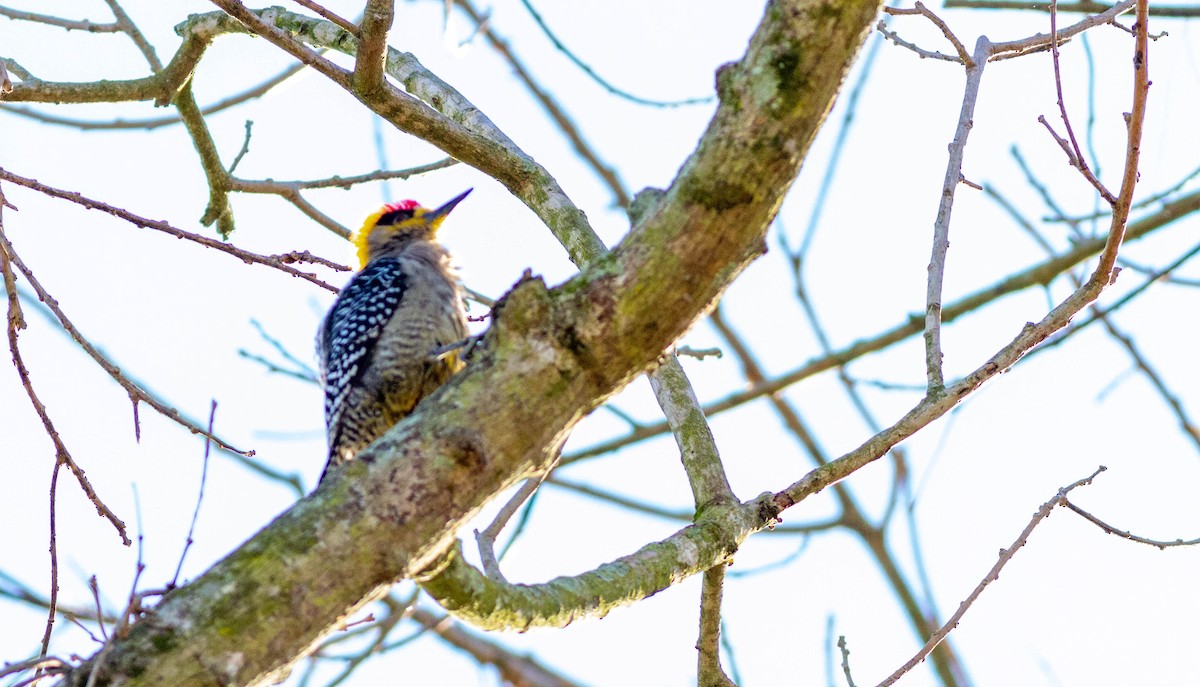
490	604
550	357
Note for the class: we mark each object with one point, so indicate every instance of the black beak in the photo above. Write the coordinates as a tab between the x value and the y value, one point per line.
448	205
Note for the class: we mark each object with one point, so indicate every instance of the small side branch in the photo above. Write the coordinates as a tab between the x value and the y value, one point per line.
1085	7
136	393
327	14
570	55
1124	534
603	170
68	24
920	9
514	669
372	46
1005	556
187	544
434	112
845	651
941	226
698	450
1074	153
1135	122
1034	276
158	225
218	209
135	34
487	538
709	671
16	321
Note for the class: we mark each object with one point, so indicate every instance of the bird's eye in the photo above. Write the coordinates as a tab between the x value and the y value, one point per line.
394	217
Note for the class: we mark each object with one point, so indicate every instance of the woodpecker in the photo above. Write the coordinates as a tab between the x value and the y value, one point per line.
378	346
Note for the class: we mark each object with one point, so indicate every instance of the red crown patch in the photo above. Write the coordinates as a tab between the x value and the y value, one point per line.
402	205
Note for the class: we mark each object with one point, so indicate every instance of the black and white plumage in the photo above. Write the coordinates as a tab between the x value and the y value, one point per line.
378	346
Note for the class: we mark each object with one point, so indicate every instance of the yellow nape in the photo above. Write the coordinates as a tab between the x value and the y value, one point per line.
359	239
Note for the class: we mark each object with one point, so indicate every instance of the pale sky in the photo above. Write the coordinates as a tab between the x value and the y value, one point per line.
1075	606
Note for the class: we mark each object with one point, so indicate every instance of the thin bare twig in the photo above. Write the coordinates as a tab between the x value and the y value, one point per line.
1042	40
282	350
629	504
134	606
290	190
49	665
934	406
314	214
1189	428
1036	184
1128	297
68	24
265	186
941	226
487	538
94	588
1036	275
570	55
1143	203
11	588
278	369
130	29
1133	146
237	159
397	610
331	16
16	321
1084	7
1076	154
921	9
620	501
514	668
158	225
53	605
212	413
845	651
604	171
136	393
894	37
1109	529
305	256
1005	556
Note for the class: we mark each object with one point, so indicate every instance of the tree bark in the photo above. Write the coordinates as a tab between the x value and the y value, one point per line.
551	356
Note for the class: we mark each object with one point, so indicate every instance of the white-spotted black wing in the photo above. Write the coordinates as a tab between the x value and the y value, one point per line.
352	329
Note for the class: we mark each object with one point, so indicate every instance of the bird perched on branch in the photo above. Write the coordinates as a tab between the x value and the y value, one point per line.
379	344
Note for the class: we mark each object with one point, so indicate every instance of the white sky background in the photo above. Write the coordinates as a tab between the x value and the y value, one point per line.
1074	607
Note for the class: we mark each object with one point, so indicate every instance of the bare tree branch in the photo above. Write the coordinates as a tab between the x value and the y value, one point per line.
993	574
